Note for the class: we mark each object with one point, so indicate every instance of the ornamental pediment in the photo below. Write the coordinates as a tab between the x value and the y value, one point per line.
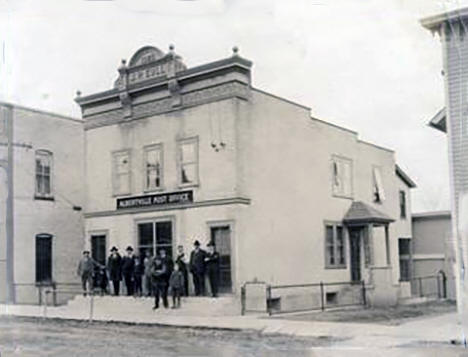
149	62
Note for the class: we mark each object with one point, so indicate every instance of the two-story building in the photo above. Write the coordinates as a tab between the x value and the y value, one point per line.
176	154
41	225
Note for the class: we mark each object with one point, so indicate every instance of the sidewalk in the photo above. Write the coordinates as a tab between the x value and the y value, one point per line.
439	329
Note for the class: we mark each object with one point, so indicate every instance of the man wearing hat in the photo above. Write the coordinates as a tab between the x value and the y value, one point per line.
86	270
128	270
197	268
114	265
212	268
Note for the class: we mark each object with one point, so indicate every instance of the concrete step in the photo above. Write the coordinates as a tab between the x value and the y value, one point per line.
191	306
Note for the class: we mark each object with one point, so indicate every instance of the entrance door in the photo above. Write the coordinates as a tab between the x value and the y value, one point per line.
355	253
221	236
98	248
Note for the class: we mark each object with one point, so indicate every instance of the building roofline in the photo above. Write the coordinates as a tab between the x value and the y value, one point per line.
40	111
376	146
431	214
406	179
334	125
280	98
433	22
200	70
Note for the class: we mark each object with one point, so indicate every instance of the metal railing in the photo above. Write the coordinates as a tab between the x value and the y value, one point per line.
53	291
429	286
306	297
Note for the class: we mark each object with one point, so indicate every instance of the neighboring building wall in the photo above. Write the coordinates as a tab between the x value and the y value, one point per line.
63	137
432	247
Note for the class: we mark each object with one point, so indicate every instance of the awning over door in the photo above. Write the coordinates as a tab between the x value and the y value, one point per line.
361	213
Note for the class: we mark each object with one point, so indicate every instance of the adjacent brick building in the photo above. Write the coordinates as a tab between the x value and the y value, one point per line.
47	190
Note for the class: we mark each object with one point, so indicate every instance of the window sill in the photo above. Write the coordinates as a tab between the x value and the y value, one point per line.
44	198
158	189
336	267
343	196
188	185
116	195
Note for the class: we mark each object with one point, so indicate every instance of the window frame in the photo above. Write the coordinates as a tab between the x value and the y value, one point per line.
37	194
377	185
114	155
407	258
403	205
336	160
192	140
336	264
146	149
154	246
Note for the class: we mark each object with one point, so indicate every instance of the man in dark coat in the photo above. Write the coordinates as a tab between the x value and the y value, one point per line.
86	270
212	268
114	266
181	260
197	268
128	270
138	274
159	280
169	263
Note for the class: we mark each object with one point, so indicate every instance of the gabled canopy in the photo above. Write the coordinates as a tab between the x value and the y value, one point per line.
361	213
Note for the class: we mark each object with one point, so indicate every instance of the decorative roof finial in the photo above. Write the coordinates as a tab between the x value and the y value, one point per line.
78	93
123	63
235	51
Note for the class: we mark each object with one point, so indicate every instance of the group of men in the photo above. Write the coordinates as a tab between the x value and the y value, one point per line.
153	276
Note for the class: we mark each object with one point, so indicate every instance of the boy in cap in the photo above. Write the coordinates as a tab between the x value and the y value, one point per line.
176	285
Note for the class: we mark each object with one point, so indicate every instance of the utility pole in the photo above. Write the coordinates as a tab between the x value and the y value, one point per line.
7	165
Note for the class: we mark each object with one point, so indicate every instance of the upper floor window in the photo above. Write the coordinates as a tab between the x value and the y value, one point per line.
153	156
188	162
402	204
121	172
342	176
334	246
44	160
378	190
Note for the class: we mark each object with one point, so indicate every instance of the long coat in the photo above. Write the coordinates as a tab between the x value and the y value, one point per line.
197	262
114	265
159	273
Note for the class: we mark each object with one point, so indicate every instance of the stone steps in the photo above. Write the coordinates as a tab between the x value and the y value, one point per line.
190	306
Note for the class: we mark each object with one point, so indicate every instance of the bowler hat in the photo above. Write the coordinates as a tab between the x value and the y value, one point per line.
196	243
85	251
129	248
114	249
210	244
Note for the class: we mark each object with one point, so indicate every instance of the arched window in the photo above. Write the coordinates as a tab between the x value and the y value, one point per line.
43	258
44	161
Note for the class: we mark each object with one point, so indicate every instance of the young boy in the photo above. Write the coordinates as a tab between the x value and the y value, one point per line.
176	284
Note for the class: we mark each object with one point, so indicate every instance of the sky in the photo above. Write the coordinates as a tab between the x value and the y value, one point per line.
367	65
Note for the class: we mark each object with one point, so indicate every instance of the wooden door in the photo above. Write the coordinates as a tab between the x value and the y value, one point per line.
221	236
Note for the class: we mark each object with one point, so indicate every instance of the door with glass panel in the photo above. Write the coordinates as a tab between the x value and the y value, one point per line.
154	236
221	237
